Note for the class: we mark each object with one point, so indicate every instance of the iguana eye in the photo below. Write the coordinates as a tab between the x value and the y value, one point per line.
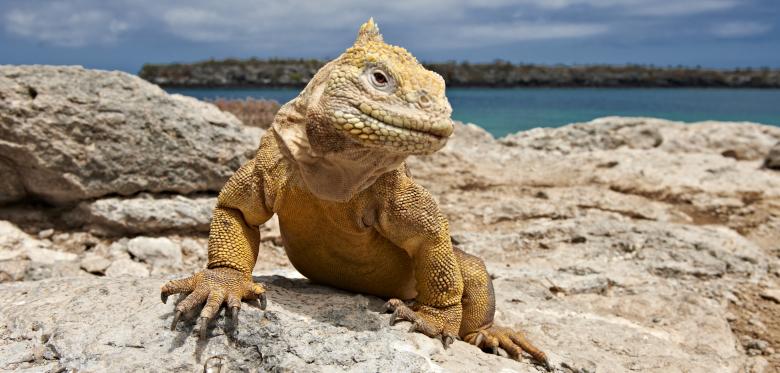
380	79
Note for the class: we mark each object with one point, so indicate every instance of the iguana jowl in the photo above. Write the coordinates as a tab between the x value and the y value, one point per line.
332	169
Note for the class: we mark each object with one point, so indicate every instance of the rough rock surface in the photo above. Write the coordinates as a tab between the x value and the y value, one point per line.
623	244
69	134
146	214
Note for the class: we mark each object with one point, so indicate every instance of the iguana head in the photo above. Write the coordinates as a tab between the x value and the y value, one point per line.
379	96
361	115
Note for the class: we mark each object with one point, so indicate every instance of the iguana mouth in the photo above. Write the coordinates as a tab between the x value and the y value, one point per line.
403	132
409	121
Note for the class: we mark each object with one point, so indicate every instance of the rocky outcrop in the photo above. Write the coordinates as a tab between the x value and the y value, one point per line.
68	134
622	244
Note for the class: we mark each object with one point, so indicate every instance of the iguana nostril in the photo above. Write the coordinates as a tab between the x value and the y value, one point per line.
424	100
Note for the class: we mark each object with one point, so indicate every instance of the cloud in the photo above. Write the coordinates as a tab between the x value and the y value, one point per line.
302	27
496	34
740	29
639	7
680	8
57	24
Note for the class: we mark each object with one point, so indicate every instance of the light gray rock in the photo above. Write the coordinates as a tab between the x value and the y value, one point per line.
24	257
70	134
771	294
157	251
146	214
14	241
46	233
48	256
739	140
95	264
127	268
313	328
116	326
13	269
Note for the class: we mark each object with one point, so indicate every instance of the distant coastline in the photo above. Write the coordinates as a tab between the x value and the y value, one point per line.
267	73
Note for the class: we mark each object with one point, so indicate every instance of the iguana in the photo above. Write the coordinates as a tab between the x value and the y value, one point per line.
332	168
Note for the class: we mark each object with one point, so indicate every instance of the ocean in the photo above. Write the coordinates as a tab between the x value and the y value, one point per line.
507	110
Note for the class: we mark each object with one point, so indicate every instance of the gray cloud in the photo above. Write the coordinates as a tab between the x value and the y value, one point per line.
741	29
81	22
55	23
526	30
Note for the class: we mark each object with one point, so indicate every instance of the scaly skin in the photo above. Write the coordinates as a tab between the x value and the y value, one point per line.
332	168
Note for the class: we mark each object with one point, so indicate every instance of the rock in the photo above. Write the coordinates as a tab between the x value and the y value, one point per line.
41	270
11	187
23	257
95	264
773	158
307	328
771	294
313	328
157	251
757	364
269	231
127	267
759	345
146	214
71	134
13	239
47	256
46	233
13	270
743	141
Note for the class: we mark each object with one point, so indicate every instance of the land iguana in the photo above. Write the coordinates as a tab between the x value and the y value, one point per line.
332	168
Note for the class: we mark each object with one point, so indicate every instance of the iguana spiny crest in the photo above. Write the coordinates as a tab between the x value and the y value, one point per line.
380	96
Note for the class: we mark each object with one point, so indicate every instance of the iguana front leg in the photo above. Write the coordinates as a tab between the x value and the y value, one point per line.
234	240
411	219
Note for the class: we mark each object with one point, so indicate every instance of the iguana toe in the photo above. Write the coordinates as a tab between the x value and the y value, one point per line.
511	341
426	320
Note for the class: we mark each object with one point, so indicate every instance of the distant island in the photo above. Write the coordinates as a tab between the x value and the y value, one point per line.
297	72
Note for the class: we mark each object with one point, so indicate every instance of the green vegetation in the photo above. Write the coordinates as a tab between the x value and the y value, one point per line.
297	72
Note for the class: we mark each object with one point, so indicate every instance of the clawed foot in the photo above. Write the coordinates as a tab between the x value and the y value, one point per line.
214	287
511	341
430	321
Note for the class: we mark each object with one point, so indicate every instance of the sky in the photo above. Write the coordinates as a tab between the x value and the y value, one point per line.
125	34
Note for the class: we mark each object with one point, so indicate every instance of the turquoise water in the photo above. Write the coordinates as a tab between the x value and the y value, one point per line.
507	110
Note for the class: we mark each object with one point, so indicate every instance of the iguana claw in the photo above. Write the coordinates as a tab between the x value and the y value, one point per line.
204	327
176	318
